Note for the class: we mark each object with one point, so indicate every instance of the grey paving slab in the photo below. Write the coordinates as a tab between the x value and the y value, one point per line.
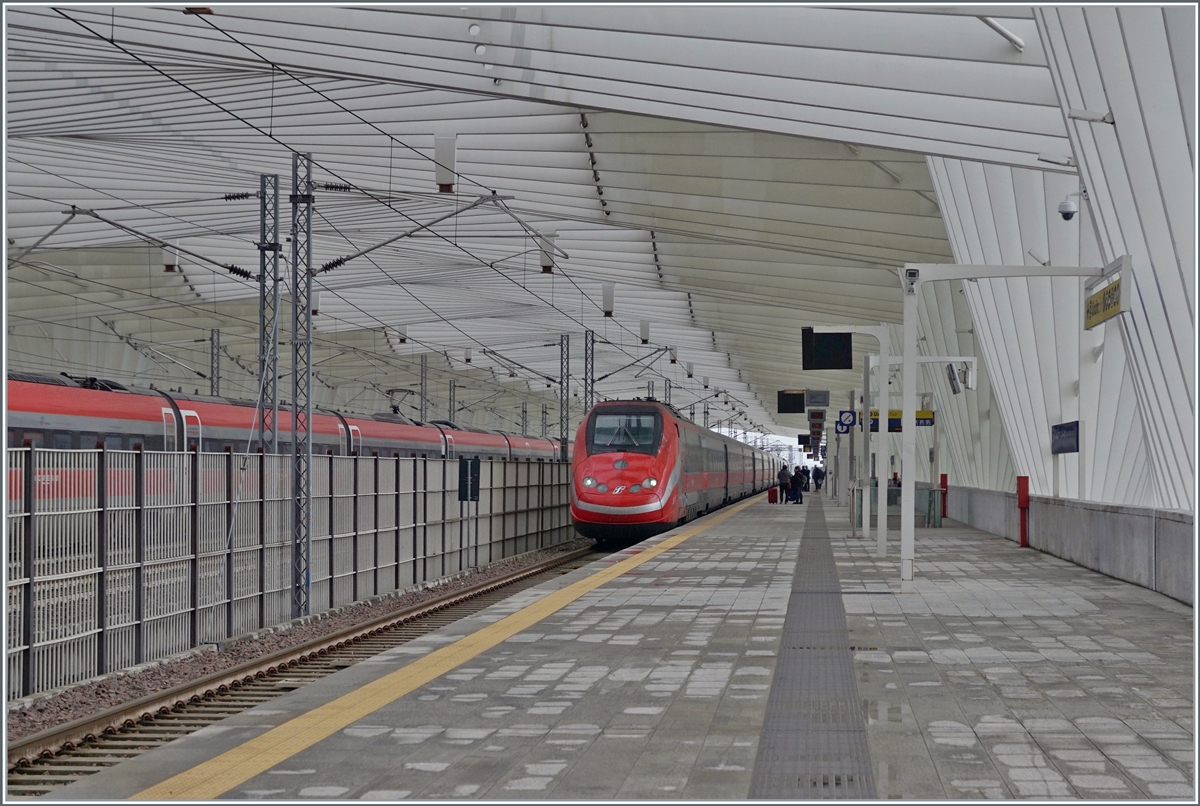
1008	673
1011	673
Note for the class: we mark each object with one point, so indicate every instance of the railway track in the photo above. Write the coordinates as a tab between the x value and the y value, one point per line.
63	755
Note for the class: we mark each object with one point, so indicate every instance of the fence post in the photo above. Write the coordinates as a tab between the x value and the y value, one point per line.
139	554
399	464
262	538
102	559
30	542
229	516
330	487
375	520
354	524
194	592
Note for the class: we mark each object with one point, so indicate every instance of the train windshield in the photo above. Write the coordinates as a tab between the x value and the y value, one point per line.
625	431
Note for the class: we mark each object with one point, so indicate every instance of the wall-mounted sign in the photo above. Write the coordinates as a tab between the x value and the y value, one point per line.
925	418
1064	438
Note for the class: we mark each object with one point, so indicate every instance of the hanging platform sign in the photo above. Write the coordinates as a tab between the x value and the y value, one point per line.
1106	303
816	398
925	418
1114	298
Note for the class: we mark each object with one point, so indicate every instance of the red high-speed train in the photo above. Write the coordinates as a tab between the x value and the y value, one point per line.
59	412
640	468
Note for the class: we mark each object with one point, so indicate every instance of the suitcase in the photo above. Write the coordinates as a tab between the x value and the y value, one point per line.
772	495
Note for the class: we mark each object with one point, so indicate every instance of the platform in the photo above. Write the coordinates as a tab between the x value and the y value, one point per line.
759	652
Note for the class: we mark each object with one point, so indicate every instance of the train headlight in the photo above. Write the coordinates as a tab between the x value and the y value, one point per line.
589	482
637	488
650	482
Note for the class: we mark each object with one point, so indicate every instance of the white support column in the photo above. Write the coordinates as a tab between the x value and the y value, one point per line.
881	334
883	449
865	468
908	438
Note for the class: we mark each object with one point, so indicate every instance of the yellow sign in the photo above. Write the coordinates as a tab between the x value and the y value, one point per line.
1103	305
896	414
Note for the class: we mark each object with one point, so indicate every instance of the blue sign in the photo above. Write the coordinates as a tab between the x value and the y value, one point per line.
847	418
841	428
1064	438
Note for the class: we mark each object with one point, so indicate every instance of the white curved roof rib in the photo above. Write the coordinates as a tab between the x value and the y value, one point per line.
743	172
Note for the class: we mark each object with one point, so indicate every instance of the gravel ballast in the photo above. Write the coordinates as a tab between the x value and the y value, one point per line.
42	712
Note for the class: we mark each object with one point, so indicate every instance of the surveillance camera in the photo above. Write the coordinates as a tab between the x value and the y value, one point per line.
1067	209
952	376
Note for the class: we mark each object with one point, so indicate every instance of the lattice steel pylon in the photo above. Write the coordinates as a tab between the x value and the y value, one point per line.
564	400
545	420
424	388
667	391
269	292
450	403
589	370
214	363
524	418
302	201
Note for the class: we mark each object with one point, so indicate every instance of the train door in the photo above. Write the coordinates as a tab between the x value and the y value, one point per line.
168	417
725	500
191	430
352	435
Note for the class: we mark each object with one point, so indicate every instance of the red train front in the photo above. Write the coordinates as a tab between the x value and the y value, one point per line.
626	471
639	468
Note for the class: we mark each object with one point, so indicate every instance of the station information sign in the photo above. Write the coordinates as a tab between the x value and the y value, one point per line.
1106	303
925	418
1064	438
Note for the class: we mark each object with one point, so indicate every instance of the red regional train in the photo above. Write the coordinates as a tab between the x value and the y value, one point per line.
641	468
61	412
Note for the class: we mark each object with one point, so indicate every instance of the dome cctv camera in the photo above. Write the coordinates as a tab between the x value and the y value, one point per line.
1067	209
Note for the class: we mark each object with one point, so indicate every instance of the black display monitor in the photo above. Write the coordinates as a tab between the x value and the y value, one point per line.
791	401
825	350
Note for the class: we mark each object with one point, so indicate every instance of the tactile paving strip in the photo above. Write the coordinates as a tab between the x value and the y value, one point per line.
814	741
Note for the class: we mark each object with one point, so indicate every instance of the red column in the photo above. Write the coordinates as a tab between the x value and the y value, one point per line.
1023	506
945	492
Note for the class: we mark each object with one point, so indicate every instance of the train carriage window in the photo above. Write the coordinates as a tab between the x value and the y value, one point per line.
633	431
62	440
152	442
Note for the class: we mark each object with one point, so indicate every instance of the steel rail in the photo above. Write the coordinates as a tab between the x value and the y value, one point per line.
49	742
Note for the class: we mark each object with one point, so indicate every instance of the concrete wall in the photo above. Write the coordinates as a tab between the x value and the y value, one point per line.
1148	547
987	510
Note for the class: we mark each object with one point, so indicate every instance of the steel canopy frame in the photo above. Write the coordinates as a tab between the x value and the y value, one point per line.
882	334
912	275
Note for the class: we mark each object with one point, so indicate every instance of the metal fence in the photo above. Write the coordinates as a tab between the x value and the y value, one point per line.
116	558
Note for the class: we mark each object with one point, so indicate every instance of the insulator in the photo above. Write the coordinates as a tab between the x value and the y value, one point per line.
239	196
333	264
338	187
238	271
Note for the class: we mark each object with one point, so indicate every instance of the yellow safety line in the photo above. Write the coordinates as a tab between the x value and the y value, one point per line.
218	775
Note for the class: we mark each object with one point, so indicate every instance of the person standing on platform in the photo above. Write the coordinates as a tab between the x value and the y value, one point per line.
797	496
818	475
785	483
